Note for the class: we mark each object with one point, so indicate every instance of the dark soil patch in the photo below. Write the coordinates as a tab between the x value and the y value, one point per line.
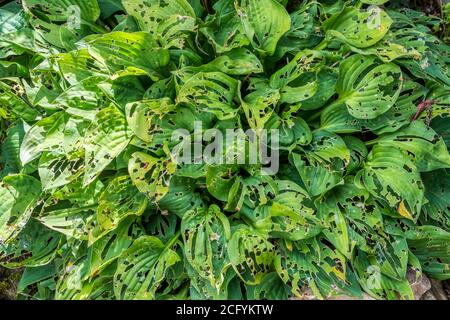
8	283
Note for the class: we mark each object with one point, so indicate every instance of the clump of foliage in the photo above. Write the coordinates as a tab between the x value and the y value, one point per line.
94	206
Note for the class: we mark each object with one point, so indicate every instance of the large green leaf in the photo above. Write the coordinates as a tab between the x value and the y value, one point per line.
167	20
367	87
424	146
105	140
19	195
437	192
250	254
62	10
142	268
212	92
389	174
119	200
205	235
264	22
136	53
359	28
150	175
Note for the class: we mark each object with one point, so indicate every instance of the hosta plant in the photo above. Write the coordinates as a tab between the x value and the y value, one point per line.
95	202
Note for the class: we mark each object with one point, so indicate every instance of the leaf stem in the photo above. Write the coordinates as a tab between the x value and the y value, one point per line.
319	112
322	45
173	240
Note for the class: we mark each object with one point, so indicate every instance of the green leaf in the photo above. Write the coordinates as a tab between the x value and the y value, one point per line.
137	53
425	147
264	23
434	262
142	268
389	174
62	10
18	194
106	138
205	235
359	28
368	88
141	116
119	200
212	92
437	192
251	255
150	175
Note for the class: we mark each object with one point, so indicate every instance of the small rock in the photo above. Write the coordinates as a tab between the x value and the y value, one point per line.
438	290
428	296
419	285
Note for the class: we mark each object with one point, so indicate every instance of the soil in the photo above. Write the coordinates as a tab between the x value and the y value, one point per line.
8	283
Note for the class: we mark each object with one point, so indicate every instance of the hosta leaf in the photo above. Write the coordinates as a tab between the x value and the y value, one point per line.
43	135
270	288
205	235
359	28
119	200
105	140
368	88
181	196
161	224
264	22
358	153
210	92
150	175
142	268
327	146
10	155
378	284
72	221
19	195
258	106
15	36
389	49
304	61
300	265
336	118
317	177
78	65
435	262
389	174
362	218
225	32
236	62
326	81
293	131
136	51
63	10
250	253
304	31
108	247
38	241
141	115
83	99
34	275
56	170
426	149
167	20
292	219
15	103
437	192
150	14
